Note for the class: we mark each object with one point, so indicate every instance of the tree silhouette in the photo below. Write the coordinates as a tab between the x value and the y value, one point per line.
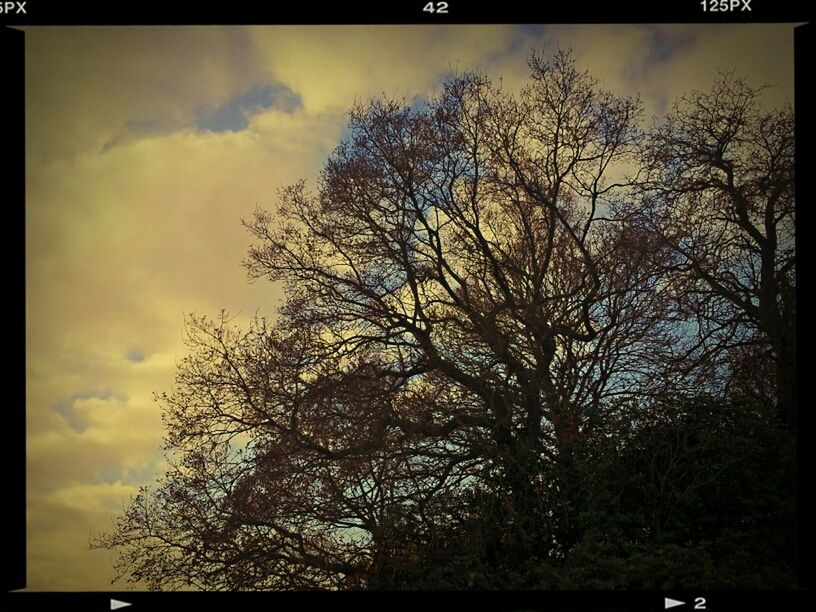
721	198
475	302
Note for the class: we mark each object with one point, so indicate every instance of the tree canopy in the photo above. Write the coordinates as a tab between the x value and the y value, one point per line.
526	343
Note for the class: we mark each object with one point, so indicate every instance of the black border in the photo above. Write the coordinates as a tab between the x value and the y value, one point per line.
803	133
450	601
13	421
242	12
230	12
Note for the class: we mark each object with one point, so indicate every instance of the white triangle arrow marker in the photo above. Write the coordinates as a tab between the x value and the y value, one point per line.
116	604
671	603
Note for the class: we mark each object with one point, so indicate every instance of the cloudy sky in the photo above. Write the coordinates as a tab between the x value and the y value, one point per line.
145	147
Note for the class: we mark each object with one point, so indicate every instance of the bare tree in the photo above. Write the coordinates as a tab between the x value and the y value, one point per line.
464	241
721	197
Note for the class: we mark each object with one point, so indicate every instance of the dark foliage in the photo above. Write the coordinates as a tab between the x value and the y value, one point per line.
694	493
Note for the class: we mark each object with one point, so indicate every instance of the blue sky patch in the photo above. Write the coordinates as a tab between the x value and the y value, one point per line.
665	43
234	115
135	355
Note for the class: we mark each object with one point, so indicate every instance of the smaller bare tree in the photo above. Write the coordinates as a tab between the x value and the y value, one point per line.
720	196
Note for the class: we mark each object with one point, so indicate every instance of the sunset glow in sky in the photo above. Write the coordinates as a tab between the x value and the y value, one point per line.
145	147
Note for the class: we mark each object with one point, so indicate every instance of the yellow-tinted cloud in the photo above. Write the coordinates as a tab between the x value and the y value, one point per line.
85	86
133	212
331	66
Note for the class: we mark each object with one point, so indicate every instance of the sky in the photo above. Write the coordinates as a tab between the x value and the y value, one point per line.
145	147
